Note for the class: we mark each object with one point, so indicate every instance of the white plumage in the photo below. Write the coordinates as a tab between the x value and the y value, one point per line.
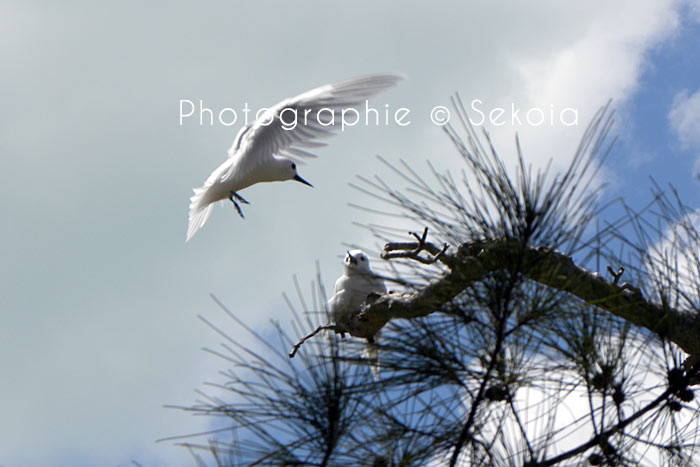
350	291
268	149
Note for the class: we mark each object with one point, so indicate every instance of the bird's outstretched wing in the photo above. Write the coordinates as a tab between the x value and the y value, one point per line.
295	124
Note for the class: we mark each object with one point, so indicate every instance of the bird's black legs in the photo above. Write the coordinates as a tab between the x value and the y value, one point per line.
239	198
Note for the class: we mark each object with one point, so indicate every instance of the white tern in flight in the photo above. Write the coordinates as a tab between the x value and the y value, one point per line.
351	290
268	149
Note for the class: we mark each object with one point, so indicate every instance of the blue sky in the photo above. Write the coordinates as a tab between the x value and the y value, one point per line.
673	67
99	294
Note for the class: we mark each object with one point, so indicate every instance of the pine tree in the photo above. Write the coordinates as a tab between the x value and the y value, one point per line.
522	327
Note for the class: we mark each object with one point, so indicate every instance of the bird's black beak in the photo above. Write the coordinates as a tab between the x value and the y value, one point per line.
299	179
352	258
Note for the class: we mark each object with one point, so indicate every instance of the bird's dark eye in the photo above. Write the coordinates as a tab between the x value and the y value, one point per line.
294	166
362	258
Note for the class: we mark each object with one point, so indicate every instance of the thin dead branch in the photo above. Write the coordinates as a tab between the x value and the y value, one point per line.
328	327
412	250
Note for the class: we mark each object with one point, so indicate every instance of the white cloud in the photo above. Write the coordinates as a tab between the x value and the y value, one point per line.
605	62
694	8
673	263
684	118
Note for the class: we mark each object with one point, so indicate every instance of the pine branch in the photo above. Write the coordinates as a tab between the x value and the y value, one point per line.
601	437
475	260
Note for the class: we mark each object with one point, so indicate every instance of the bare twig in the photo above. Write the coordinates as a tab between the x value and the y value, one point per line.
328	327
412	250
616	277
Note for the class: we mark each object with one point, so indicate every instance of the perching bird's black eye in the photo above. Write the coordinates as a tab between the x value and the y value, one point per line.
294	166
362	258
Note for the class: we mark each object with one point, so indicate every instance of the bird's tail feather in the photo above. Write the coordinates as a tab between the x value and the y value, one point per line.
200	209
371	354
